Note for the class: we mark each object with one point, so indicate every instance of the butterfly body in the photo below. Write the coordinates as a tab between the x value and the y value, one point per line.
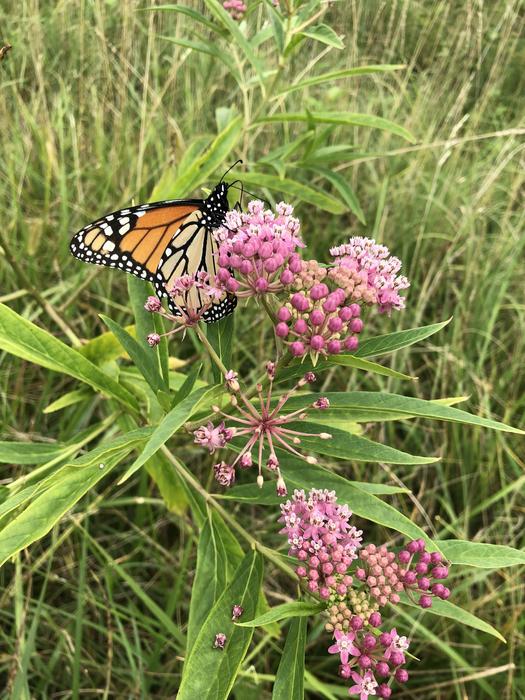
160	242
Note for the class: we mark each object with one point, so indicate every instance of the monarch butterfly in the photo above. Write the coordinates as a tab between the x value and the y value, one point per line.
160	242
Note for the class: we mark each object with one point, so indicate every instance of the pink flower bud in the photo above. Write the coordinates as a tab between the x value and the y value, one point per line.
401	675
335	324
301	571
404	556
384	691
261	285
369	641
324	593
425	601
424	583
300	302
295	263
300	326
356	623
351	343
382	668
232	285
345	671
317	317
286	277
284	314
297	349
281	330
356	325
223	275
153	339
345	314
397	658
319	291
435	557
334	347
355	309
364	661
317	342
375	619
439	572
245	267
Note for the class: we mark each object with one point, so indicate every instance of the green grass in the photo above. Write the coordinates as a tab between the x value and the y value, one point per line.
96	107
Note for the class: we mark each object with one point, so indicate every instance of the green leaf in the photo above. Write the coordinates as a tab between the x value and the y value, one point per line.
294	189
194	15
444	608
188	384
212	574
342	118
66	400
206	164
289	681
138	354
168	483
368	406
337	75
344	188
105	347
209	674
478	554
240	40
362	503
345	360
324	34
383	344
171	422
29	452
284	612
24	339
62	490
343	445
220	335
208	48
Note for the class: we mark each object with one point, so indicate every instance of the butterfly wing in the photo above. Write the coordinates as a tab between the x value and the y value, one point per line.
133	239
157	242
193	250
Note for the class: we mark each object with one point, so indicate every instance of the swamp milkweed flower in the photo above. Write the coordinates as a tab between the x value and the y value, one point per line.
260	248
265	426
184	293
236	8
321	537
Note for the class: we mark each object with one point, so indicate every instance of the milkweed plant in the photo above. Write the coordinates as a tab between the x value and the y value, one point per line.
274	438
318	312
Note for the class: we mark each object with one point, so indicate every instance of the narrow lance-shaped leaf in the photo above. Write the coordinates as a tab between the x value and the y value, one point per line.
338	75
284	612
62	490
389	342
341	118
366	406
295	189
481	555
209	673
169	425
289	681
444	608
24	339
211	577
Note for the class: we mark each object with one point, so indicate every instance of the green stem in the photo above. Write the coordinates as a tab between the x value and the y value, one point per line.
204	340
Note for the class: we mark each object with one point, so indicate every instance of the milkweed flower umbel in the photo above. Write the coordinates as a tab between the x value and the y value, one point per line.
260	248
236	8
320	535
365	256
265	426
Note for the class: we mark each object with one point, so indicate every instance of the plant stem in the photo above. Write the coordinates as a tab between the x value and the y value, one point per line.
204	340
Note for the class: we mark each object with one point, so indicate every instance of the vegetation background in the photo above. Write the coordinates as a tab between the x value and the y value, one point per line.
97	108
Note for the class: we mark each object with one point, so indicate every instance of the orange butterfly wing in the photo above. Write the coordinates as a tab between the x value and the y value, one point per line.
134	239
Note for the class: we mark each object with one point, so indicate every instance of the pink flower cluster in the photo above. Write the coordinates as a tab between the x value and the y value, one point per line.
423	573
184	300
260	248
365	256
321	537
236	8
264	427
320	322
365	655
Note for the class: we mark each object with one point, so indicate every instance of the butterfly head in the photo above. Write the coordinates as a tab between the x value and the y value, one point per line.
216	205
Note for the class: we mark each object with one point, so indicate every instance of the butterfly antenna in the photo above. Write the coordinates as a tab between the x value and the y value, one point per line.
231	168
241	188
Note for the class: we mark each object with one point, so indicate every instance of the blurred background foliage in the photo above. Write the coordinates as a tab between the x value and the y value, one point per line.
105	103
